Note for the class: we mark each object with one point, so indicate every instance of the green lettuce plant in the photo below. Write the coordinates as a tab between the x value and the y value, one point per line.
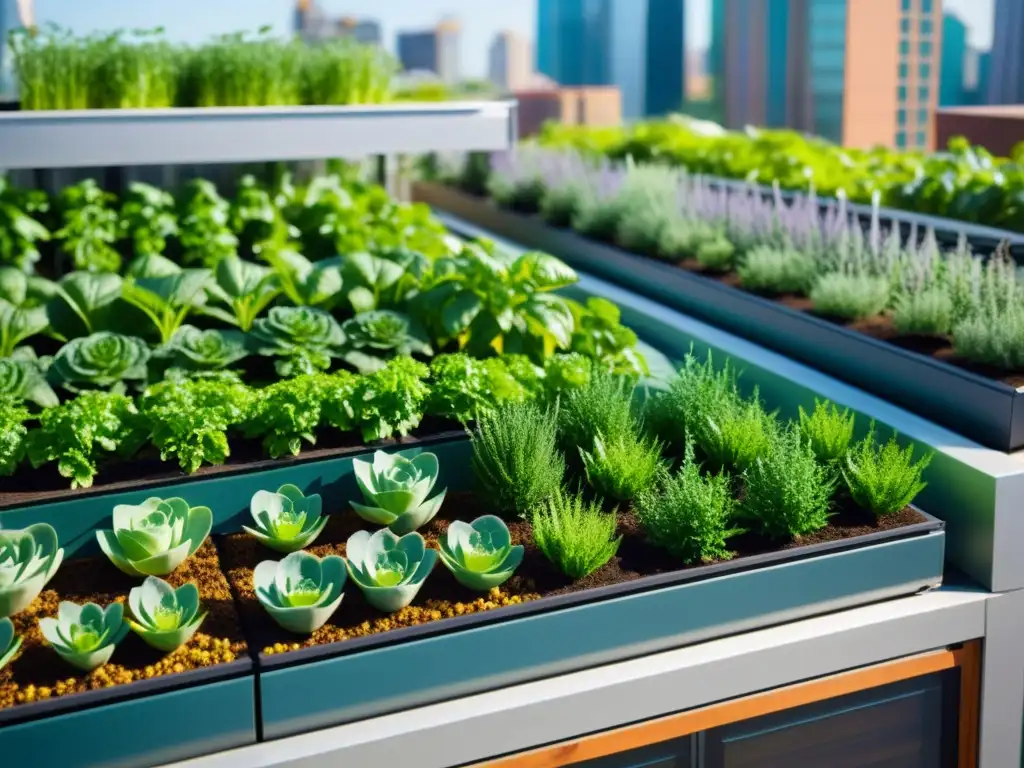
389	570
480	554
302	591
18	322
191	349
167	299
85	636
85	303
373	337
100	361
29	558
9	644
395	490
22	380
155	537
13	432
286	521
305	339
390	401
240	291
164	617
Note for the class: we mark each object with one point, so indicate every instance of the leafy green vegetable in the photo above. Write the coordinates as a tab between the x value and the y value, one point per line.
101	361
20	231
305	283
372	337
83	304
12	433
189	420
168	299
240	292
191	349
600	335
79	433
147	219
89	227
22	380
305	339
287	413
390	401
203	216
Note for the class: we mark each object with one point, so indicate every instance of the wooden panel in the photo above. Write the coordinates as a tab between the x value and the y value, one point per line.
717	715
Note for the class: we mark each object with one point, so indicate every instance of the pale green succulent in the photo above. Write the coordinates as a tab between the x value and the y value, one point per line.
165	617
480	555
395	490
9	644
85	635
286	521
388	570
155	537
300	592
28	560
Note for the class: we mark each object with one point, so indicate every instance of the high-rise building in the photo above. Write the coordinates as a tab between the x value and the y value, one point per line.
509	64
313	25
858	73
1006	77
434	50
953	76
364	30
635	45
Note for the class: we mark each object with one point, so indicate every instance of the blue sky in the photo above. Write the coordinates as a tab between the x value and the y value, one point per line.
194	20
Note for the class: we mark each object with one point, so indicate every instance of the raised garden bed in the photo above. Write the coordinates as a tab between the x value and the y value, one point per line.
141	691
982	405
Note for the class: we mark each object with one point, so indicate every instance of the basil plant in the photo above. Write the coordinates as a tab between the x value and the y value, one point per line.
389	570
286	521
9	644
155	537
480	554
165	617
28	560
85	636
395	490
302	591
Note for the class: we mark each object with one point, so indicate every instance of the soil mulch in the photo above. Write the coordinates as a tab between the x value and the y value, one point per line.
37	673
442	597
34	486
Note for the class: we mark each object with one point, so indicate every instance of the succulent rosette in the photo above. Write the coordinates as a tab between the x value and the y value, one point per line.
164	617
389	570
9	644
155	537
85	636
480	554
286	521
28	560
395	490
301	592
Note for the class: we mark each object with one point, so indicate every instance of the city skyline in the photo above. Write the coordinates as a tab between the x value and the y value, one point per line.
196	20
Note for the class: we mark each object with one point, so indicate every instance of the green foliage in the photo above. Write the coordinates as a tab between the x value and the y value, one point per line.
101	361
460	387
559	205
885	479
516	458
84	303
203	215
287	413
166	299
575	534
929	311
718	255
189	420
777	270
240	291
600	335
20	229
688	513
22	380
390	401
621	467
700	389
787	490
305	339
371	338
79	433
992	339
565	373
828	430
147	219
88	227
193	350
603	407
734	432
13	416
850	296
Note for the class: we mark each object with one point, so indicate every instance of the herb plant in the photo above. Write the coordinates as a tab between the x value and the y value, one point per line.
516	458
240	291
787	490
89	227
203	216
575	534
929	311
828	430
850	296
622	467
147	219
20	230
603	407
287	413
390	401
167	300
689	514
734	433
885	479
776	271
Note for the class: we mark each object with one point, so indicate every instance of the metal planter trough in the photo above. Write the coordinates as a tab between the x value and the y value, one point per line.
982	409
401	668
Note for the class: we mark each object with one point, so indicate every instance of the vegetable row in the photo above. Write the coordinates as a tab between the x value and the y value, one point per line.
696	464
964	183
783	250
119	70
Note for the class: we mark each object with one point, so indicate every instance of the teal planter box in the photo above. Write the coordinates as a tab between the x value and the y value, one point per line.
227	491
374	675
142	724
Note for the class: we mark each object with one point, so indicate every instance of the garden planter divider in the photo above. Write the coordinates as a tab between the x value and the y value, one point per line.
984	410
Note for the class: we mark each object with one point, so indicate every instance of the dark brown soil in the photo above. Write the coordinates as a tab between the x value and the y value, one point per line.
34	486
37	673
442	597
879	327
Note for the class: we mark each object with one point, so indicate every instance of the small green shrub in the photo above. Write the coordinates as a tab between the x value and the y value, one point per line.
996	340
516	457
603	407
698	389
560	204
850	297
575	534
735	433
828	430
689	514
928	312
788	491
623	467
640	229
717	255
777	270
885	479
